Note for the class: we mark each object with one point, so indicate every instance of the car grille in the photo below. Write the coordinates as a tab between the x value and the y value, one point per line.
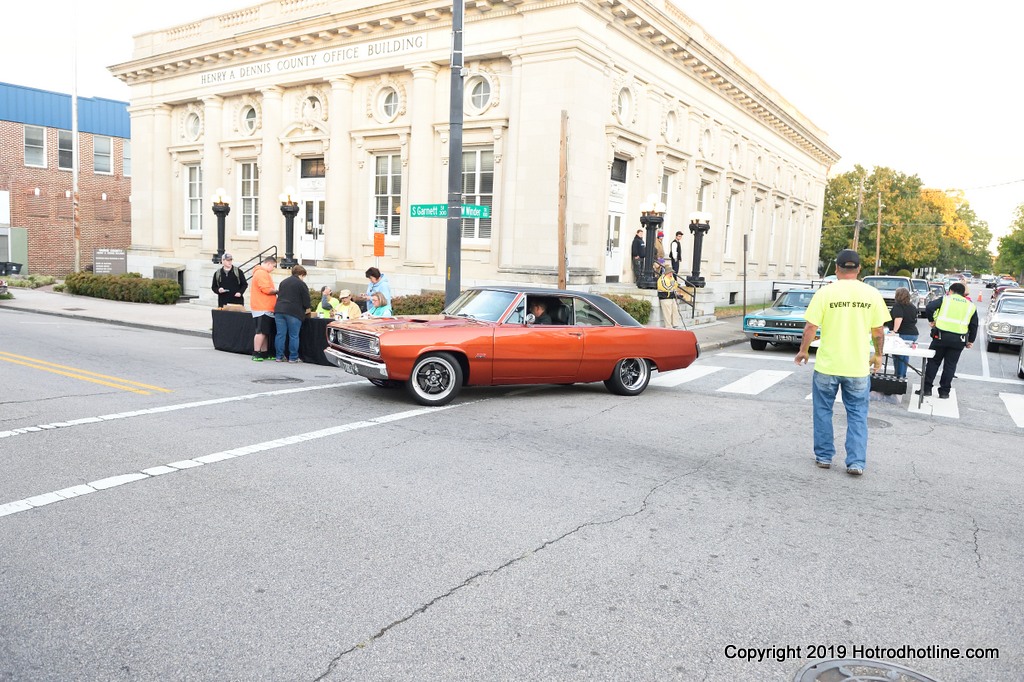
356	342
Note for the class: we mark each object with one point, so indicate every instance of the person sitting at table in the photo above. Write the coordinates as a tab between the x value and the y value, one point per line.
378	306
328	304
347	309
904	323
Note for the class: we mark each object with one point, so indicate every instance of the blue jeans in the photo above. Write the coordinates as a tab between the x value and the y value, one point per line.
856	394
900	361
290	325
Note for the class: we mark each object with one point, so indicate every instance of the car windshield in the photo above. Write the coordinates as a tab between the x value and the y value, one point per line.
794	299
886	283
481	304
1012	305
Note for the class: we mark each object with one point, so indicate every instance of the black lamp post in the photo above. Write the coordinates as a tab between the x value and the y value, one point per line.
652	215
221	208
290	209
700	224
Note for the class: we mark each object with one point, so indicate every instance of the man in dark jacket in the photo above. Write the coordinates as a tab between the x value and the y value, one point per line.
638	254
954	327
229	282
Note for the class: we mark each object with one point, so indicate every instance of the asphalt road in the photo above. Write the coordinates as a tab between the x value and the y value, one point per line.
258	521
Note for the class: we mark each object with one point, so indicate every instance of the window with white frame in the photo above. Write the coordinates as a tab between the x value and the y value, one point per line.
478	189
102	148
730	218
126	158
193	198
387	192
35	146
249	195
65	150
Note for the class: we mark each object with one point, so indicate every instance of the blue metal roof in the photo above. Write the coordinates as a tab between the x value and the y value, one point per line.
96	115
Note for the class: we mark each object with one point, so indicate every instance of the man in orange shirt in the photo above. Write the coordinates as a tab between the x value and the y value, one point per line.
263	299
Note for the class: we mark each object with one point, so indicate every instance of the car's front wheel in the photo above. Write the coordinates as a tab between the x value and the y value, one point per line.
630	377
436	379
758	344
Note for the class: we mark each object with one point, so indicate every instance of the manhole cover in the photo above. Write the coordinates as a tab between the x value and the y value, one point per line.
879	423
858	670
277	380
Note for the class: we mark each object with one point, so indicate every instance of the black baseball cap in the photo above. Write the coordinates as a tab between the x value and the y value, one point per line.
848	259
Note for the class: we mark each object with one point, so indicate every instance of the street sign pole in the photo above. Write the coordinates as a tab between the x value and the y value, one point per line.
453	275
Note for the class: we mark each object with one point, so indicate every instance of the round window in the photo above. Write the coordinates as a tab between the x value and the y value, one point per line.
249	119
389	103
624	104
193	126
479	93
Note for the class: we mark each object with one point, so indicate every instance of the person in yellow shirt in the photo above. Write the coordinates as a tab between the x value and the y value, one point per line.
850	315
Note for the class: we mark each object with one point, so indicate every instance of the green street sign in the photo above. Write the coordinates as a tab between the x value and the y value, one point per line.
441	211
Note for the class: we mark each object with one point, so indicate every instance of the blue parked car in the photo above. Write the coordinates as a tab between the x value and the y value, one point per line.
781	323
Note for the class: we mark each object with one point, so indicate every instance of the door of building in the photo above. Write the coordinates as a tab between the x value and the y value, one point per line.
311	230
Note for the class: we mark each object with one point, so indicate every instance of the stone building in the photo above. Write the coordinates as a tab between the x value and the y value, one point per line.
36	157
348	104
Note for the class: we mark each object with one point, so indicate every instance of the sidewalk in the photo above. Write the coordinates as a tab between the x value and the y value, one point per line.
194	319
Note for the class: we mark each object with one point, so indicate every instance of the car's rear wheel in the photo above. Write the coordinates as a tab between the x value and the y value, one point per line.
992	347
758	344
630	377
435	380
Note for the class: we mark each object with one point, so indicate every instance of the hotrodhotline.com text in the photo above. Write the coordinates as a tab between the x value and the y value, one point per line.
813	651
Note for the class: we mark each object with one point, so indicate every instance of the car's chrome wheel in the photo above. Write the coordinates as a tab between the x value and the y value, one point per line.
758	344
630	377
436	379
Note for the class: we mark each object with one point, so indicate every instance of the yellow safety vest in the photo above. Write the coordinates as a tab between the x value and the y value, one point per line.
954	314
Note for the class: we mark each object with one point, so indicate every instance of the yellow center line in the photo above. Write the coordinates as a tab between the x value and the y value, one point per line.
84	375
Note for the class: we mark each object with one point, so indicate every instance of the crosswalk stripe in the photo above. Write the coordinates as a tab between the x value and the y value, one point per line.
755	382
682	376
934	405
1015	406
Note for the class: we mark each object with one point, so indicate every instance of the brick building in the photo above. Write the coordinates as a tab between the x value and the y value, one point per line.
36	161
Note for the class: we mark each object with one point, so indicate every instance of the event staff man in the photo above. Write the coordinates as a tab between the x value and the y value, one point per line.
954	327
850	315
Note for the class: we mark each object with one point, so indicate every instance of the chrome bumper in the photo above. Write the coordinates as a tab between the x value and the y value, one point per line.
358	366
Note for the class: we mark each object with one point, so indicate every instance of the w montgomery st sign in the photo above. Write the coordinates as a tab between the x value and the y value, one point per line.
338	55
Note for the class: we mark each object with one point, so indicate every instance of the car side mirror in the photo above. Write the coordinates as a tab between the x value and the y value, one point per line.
530	319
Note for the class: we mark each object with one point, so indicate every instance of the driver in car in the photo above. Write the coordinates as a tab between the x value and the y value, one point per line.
539	308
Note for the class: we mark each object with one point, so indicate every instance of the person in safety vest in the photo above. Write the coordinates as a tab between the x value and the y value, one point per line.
954	327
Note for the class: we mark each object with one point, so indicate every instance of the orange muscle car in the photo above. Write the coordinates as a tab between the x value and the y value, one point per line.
493	336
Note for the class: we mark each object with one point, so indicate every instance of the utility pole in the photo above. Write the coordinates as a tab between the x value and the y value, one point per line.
453	252
878	235
858	222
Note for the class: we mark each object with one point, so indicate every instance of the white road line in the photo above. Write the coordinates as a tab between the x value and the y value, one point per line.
167	408
755	382
205	460
1015	406
934	405
764	356
682	376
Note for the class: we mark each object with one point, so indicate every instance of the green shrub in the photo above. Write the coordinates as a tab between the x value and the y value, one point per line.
431	303
29	282
123	288
638	308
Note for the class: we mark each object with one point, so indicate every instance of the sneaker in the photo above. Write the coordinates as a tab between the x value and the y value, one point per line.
925	392
821	464
855	471
257	358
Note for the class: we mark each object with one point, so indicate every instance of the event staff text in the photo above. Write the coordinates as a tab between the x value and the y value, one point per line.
813	651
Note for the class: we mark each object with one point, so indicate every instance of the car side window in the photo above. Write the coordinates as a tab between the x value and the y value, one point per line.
589	316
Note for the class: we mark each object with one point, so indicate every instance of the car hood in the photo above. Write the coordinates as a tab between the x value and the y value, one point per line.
379	325
780	313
